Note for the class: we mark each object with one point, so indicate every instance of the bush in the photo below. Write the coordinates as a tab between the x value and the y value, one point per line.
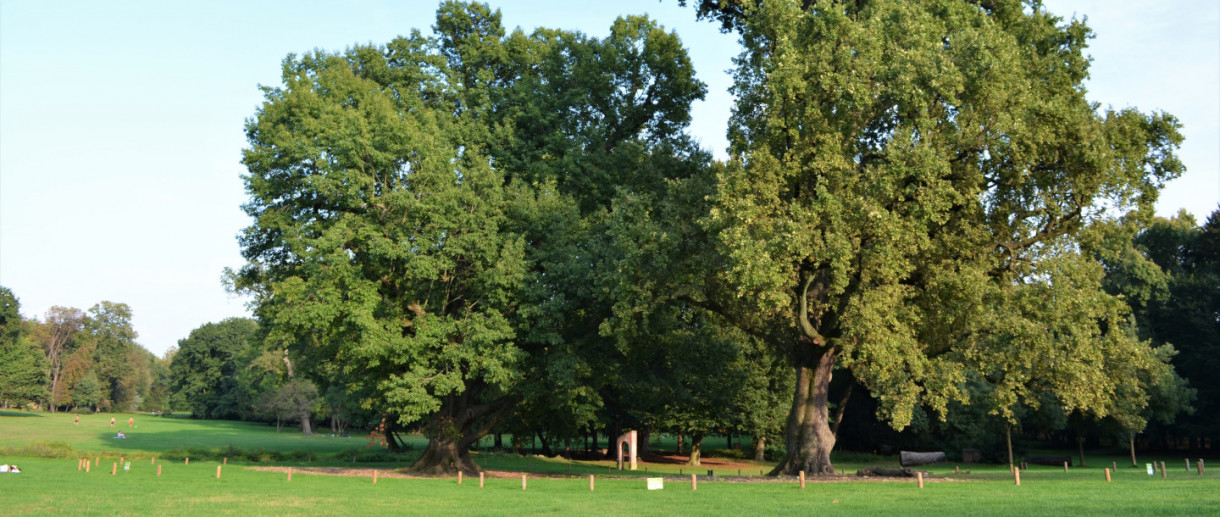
40	450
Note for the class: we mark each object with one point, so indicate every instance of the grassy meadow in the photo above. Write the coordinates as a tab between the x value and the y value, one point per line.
248	487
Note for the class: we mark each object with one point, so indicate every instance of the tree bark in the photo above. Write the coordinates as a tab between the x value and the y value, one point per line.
1080	444
459	423
1008	436
808	436
696	448
760	448
642	448
1132	441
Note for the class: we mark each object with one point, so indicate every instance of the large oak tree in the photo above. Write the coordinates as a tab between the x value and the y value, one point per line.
909	188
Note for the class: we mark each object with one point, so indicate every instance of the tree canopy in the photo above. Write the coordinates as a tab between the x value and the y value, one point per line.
910	189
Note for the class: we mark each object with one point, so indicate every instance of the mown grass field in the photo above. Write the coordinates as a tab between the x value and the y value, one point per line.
55	485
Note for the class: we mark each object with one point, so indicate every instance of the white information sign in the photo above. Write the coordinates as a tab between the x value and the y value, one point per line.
656	483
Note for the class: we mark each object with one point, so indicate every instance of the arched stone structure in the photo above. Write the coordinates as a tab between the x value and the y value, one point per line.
629	439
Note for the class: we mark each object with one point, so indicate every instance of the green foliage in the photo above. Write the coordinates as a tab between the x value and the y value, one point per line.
910	189
23	374
1168	273
207	365
88	391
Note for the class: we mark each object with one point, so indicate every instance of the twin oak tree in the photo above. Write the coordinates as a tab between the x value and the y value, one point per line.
456	228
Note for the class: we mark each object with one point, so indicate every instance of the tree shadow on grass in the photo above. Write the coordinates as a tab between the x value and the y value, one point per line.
18	413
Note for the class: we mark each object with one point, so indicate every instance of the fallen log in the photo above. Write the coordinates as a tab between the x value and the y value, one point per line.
889	473
908	458
1056	461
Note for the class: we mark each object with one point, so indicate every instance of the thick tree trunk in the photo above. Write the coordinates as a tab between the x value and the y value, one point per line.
808	436
696	448
642	448
306	429
679	443
459	423
760	448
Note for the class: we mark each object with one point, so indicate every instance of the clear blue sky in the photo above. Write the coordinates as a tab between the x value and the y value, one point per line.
121	125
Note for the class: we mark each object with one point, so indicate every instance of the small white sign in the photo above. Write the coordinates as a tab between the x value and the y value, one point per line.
656	483
127	466
1149	469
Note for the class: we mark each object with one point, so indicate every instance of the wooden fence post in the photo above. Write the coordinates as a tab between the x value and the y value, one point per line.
693	483
802	479
1107	475
218	472
1163	474
289	474
590	482
919	476
459	477
480	480
114	469
523	477
158	471
1016	475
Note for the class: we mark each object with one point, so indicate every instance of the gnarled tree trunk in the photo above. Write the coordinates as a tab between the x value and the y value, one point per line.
460	423
808	435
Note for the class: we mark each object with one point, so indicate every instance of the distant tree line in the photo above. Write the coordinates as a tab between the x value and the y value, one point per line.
78	360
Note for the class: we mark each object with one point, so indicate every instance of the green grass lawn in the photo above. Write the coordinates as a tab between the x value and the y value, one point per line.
54	485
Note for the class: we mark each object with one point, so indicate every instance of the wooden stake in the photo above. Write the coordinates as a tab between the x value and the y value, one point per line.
87	463
1107	475
154	461
1199	464
1164	475
480	480
80	465
694	485
919	476
226	460
114	469
158	471
1065	467
188	461
523	476
218	472
1016	475
957	469
1114	465
459	477
590	482
290	474
374	477
1187	464
802	479
121	458
95	460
